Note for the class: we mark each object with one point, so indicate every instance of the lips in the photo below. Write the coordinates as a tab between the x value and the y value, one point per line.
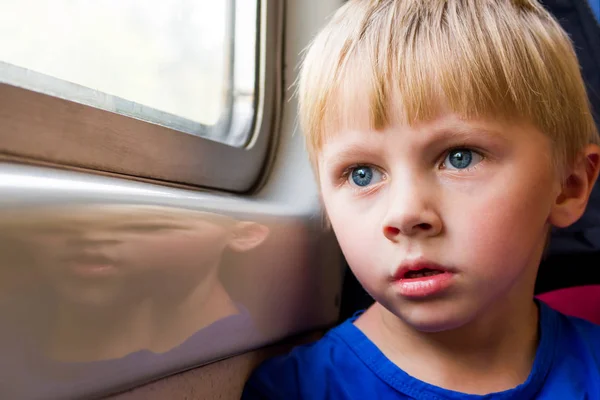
422	279
419	270
89	264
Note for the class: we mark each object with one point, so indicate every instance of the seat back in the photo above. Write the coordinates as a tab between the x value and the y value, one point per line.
577	301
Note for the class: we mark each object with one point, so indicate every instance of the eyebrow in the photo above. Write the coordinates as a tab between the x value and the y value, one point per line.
442	136
352	151
451	132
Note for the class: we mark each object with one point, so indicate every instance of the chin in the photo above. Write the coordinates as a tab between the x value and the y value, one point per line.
91	298
431	319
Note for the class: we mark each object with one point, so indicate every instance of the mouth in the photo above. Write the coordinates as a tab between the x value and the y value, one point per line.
422	279
91	265
420	269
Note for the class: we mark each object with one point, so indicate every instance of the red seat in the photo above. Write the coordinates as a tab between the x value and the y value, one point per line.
577	301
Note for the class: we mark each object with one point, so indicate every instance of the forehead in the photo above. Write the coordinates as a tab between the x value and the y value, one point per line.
359	127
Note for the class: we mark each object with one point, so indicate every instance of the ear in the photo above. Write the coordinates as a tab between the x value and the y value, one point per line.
247	235
575	192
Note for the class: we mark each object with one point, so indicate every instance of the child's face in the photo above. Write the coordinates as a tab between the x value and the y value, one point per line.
471	200
107	255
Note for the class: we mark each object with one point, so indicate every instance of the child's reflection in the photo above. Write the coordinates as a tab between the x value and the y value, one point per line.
133	278
127	290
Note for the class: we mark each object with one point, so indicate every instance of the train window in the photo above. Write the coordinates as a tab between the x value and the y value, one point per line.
178	71
184	64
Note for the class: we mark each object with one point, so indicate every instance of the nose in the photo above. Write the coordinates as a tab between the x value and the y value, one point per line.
412	213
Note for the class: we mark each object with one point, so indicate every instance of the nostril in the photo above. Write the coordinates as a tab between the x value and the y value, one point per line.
391	231
424	226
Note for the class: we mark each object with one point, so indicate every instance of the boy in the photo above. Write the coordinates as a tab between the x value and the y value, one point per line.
448	137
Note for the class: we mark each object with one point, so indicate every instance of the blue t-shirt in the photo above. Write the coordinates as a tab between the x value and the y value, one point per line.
345	364
595	6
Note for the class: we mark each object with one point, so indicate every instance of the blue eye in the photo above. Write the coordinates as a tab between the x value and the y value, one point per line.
364	176
461	159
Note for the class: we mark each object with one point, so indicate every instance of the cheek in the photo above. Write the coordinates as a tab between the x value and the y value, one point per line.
358	236
505	223
172	251
47	253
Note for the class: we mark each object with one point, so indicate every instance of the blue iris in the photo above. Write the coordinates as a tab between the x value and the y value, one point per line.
362	176
460	158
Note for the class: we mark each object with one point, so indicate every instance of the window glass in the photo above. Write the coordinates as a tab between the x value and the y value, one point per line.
185	64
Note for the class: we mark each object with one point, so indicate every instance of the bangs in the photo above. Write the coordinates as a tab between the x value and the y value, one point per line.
408	61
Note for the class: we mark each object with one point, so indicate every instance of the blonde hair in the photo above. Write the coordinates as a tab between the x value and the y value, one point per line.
479	58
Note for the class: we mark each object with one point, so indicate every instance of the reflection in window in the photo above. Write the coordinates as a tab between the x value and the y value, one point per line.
100	297
185	64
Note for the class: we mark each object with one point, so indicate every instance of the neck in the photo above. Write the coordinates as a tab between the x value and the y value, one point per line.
492	353
172	324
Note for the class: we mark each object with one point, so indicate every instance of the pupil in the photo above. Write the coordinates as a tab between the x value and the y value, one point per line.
460	158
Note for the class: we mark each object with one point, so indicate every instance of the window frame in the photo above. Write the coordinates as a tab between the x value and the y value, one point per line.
42	128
